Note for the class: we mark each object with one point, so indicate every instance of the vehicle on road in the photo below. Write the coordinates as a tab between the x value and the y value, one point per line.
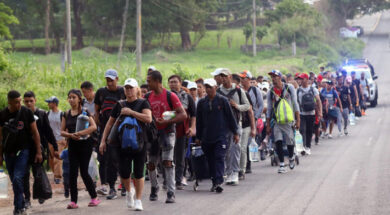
364	66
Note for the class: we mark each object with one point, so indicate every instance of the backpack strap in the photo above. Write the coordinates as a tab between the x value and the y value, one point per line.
254	91
147	95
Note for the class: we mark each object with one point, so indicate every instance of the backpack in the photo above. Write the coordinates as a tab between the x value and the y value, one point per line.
106	108
11	134
130	134
307	102
236	113
283	113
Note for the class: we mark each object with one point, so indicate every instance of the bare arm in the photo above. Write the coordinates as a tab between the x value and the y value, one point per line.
253	124
37	142
145	116
319	105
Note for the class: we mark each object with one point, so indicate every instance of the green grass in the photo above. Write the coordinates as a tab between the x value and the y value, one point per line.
208	42
43	75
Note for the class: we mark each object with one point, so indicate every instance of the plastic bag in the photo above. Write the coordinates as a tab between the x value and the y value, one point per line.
41	186
299	142
93	168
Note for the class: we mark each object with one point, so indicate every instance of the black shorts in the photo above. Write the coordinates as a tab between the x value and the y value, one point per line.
126	158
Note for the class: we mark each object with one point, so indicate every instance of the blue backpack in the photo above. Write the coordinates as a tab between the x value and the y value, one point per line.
130	134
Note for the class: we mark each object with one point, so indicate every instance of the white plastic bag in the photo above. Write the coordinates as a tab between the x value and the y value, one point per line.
352	119
299	142
93	170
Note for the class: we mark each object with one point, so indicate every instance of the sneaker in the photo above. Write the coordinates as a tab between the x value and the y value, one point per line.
228	180
291	163
123	191
308	151
218	189
262	155
212	189
94	202
20	212
248	171
41	201
130	199
27	204
282	169
112	195
102	191
184	181
340	134
153	194
170	197
72	205
179	186
235	178
241	175
345	131
323	135
57	181
330	136
138	205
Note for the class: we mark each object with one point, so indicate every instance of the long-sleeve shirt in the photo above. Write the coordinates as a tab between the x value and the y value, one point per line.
44	129
214	119
241	107
290	95
257	101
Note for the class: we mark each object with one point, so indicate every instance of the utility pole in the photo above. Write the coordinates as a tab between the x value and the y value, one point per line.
68	33
254	29
139	40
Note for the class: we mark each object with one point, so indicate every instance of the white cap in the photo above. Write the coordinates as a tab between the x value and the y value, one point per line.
192	85
265	85
219	71
152	68
211	82
131	82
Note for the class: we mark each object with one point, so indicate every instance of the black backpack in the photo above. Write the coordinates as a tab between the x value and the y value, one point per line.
151	134
307	103
11	134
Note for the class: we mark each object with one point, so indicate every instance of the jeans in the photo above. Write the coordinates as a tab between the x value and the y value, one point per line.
233	154
215	153
167	144
244	146
306	129
339	119
17	167
345	116
179	157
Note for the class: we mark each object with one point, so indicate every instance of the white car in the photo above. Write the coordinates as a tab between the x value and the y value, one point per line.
364	68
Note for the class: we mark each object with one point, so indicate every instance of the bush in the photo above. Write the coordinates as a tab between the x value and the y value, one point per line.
323	52
351	48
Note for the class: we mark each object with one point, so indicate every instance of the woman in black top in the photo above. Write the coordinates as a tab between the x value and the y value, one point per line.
79	150
138	108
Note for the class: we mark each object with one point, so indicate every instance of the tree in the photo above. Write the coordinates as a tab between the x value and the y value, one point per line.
6	19
261	32
47	27
247	31
77	10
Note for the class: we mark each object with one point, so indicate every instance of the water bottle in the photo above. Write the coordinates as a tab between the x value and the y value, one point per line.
167	115
352	119
82	124
254	155
3	185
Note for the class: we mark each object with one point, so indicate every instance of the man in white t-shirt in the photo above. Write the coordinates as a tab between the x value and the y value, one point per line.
55	117
309	102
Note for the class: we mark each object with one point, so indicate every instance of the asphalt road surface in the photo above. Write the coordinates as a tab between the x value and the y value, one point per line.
346	175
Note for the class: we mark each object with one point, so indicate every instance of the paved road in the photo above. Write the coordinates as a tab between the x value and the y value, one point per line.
347	175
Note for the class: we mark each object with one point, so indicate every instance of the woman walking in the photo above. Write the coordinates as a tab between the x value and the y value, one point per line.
79	149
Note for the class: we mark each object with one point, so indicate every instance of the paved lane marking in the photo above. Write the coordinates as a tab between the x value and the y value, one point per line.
369	141
353	178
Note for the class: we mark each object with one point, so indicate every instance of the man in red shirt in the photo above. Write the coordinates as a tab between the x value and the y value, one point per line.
160	101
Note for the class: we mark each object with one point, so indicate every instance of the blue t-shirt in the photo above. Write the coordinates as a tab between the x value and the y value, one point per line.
331	96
